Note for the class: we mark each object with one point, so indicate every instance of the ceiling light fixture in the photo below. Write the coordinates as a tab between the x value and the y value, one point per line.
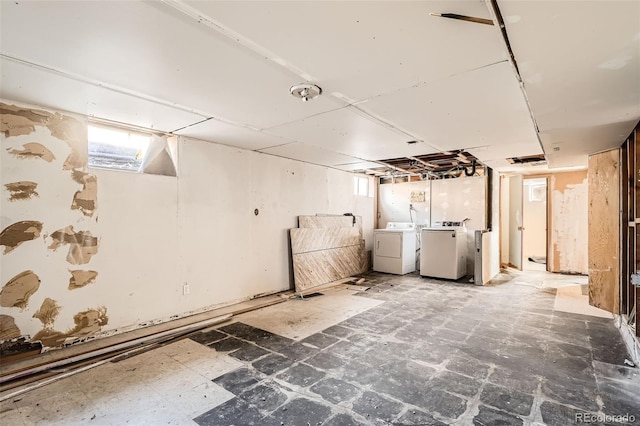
305	91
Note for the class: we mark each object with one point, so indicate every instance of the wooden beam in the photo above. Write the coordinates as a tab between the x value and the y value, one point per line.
424	163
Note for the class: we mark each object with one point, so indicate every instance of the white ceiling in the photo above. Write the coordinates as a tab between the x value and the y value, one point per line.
390	73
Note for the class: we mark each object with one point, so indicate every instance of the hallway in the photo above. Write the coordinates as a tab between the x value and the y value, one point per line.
407	351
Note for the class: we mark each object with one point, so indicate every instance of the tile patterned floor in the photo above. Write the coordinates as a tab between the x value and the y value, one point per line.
429	352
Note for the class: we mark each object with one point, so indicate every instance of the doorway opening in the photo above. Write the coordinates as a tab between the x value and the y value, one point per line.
535	219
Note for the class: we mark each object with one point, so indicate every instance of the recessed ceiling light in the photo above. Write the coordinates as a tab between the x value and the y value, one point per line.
305	91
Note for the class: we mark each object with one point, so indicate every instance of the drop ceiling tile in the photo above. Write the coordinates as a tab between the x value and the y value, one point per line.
361	165
499	152
36	86
362	49
152	49
228	134
350	132
308	153
477	108
588	73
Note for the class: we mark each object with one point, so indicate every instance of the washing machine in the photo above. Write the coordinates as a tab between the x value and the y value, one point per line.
443	252
394	248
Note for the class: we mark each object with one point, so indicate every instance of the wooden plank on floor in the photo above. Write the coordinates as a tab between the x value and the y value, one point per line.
304	240
321	267
604	230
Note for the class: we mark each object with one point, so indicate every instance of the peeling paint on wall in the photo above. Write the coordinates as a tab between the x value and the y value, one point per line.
8	328
16	292
86	322
48	312
23	190
80	278
82	245
16	121
14	235
86	199
33	150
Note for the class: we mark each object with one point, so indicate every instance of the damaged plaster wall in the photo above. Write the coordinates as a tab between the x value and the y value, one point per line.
47	190
569	219
115	248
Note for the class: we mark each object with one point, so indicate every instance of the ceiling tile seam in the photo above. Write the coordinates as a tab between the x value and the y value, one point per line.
243	41
127	92
360	159
107	86
300	161
374	118
191	125
496	14
276	146
427	83
267	129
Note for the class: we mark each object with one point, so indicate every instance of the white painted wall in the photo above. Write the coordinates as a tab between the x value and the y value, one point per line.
395	198
158	232
445	200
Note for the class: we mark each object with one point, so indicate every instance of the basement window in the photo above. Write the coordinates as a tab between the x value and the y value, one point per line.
361	187
113	148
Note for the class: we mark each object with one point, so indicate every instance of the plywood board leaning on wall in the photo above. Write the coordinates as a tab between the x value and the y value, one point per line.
326	249
604	230
569	193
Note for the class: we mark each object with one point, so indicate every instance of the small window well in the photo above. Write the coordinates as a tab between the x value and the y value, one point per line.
112	148
118	149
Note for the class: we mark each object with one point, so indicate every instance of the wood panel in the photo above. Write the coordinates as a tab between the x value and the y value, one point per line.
313	239
327	248
568	218
316	268
604	230
329	221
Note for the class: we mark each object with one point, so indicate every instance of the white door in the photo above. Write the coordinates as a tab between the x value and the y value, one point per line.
515	221
388	244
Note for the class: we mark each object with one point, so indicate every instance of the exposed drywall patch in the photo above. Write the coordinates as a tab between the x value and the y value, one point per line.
80	278
23	190
85	200
16	121
89	322
86	322
50	338
32	150
73	132
48	312
82	245
14	235
8	328
16	292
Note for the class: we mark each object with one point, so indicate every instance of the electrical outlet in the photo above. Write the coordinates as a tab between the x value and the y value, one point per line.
185	289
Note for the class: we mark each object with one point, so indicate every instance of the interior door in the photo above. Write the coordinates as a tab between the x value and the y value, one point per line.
515	221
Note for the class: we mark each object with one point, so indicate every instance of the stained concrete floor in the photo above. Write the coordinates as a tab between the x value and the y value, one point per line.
409	351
